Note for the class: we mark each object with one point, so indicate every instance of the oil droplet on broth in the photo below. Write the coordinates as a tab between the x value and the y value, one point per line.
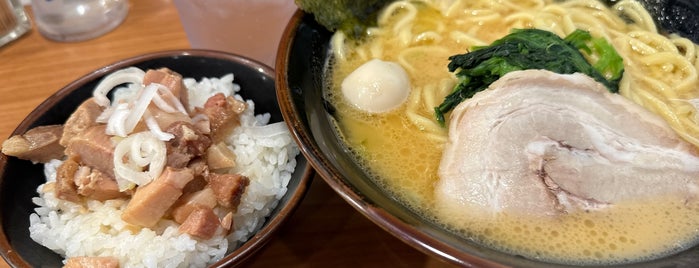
589	224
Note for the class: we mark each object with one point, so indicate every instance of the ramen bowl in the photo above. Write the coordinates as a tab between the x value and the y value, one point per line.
301	67
19	178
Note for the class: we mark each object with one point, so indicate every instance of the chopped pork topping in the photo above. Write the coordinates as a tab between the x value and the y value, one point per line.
39	144
201	171
165	119
93	148
65	184
84	117
224	114
228	188
204	198
199	167
219	157
195	185
150	202
96	185
202	223
169	79
187	144
92	262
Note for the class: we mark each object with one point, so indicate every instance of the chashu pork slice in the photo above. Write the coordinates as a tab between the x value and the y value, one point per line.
541	143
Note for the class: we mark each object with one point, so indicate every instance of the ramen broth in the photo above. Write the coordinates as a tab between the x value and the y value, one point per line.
403	157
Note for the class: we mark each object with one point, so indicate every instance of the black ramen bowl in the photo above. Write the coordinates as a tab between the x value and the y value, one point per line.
301	65
19	178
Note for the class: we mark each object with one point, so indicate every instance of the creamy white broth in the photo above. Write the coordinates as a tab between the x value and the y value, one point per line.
402	151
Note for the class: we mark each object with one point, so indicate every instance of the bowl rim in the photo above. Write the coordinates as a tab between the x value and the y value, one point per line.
238	256
397	227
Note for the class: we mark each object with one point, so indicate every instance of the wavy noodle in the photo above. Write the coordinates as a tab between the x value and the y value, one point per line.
403	13
407	56
524	4
428	36
337	43
686	48
636	13
556	19
466	39
520	20
651	101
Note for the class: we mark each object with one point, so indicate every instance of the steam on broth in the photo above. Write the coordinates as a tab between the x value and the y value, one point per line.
401	149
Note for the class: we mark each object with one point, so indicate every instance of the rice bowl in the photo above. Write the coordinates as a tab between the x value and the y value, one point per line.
263	197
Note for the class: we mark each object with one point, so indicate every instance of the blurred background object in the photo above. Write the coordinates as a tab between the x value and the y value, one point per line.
13	21
248	28
78	20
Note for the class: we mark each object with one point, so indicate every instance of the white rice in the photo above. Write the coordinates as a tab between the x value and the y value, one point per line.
265	153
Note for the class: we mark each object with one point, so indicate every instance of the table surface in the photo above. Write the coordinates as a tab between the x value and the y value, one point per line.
324	231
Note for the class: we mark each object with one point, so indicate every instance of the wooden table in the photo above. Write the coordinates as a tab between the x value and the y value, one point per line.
324	232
